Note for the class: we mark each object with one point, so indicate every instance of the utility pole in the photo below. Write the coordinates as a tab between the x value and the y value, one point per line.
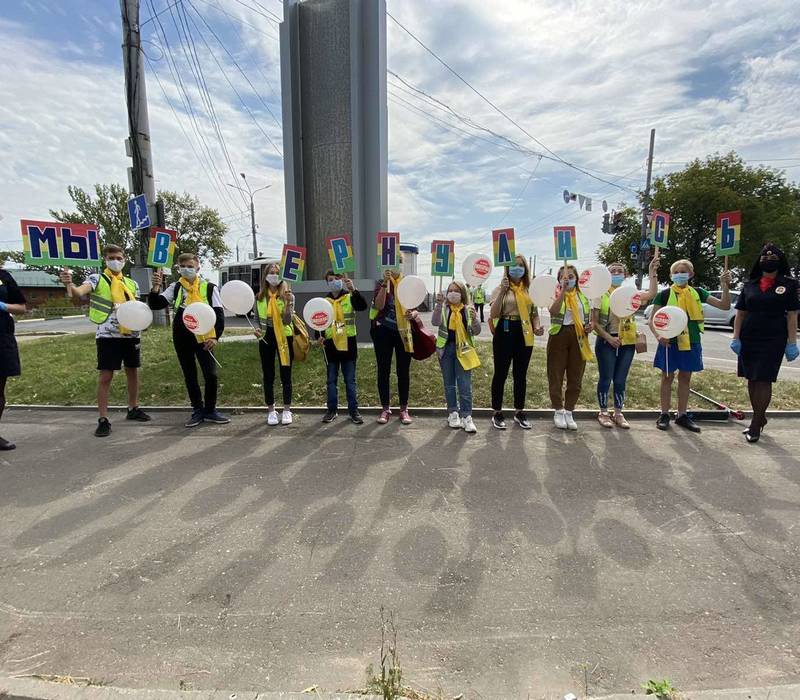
645	212
250	193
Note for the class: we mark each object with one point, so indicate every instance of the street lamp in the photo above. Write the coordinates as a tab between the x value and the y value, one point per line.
237	245
250	193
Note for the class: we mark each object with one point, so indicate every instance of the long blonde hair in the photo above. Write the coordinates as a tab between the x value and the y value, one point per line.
284	285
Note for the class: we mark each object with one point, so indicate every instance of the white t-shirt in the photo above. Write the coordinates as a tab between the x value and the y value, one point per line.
169	295
110	327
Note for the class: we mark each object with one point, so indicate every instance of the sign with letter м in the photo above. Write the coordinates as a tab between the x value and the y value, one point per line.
565	242
57	243
388	250
729	233
340	251
659	228
504	247
293	262
137	212
161	249
443	258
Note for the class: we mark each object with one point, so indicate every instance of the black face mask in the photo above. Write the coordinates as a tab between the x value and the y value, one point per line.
770	265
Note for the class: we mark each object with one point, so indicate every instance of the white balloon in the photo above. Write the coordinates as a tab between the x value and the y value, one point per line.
595	281
476	269
543	290
318	313
237	296
411	292
135	315
199	318
625	301
670	321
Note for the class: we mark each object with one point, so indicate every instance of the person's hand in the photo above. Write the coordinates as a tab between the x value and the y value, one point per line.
664	341
614	342
287	296
653	266
258	333
387	276
725	279
588	327
348	283
210	344
504	283
792	352
440	298
158	278
736	345
411	314
538	330
320	341
66	277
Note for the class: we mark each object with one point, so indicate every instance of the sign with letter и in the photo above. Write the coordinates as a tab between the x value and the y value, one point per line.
161	249
293	262
340	251
57	243
443	258
565	242
659	228
388	250
729	233
137	212
503	245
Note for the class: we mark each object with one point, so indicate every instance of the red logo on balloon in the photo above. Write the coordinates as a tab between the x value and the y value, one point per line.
319	318
661	320
636	301
190	321
586	275
482	268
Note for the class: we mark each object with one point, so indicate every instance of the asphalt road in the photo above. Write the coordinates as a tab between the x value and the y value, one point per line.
519	564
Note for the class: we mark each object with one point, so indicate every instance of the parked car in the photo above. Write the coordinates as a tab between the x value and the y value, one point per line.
713	315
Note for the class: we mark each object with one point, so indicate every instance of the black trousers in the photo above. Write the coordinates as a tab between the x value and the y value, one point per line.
268	351
479	309
508	347
388	342
189	350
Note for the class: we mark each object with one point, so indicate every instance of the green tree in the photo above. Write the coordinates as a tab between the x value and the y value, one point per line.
618	248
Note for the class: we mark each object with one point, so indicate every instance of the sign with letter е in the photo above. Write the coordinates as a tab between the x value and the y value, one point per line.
137	212
293	263
388	250
443	258
340	251
565	242
161	249
659	228
504	247
57	243
729	233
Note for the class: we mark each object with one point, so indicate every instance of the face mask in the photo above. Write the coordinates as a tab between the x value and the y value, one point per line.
516	272
617	280
115	265
335	285
570	283
274	280
770	265
188	272
680	278
454	297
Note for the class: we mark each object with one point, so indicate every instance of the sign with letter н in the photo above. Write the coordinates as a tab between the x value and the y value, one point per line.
293	263
443	258
659	228
57	243
161	249
388	250
565	242
503	246
340	251
729	233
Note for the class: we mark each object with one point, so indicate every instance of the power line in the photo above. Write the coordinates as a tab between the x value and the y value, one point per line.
238	19
271	17
522	192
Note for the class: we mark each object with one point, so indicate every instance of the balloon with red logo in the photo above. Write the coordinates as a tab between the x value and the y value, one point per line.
595	281
199	318
625	301
318	313
476	269
670	321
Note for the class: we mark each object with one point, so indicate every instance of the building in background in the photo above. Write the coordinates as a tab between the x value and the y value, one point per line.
39	287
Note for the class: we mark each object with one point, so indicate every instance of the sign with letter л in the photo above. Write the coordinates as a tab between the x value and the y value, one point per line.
504	247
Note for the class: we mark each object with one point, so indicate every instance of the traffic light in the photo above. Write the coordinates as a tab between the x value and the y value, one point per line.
606	224
616	227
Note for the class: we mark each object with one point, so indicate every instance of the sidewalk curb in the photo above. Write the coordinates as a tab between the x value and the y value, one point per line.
778	692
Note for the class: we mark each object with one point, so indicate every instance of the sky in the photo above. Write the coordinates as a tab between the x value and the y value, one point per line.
585	81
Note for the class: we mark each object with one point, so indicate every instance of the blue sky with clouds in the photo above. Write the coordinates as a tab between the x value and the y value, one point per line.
586	79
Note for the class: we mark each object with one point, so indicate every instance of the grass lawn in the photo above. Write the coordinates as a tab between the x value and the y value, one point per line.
61	370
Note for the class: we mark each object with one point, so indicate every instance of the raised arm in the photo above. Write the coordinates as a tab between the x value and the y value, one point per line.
724	303
73	291
652	290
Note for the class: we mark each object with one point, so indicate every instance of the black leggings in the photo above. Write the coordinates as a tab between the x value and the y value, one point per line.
508	346
760	398
2	395
386	343
187	348
268	351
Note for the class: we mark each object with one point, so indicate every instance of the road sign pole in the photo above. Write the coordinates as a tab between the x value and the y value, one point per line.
646	209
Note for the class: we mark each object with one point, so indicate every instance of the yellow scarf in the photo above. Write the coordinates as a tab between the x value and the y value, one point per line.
694	311
339	329
524	304
627	325
119	293
278	328
466	353
402	322
192	291
575	306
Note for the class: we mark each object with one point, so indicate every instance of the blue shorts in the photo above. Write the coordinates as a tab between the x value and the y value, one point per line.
679	360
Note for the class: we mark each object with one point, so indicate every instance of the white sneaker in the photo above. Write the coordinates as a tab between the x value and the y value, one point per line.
570	421
560	420
286	418
469	426
272	417
454	420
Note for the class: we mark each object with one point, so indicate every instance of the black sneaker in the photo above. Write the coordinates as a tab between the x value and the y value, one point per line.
329	417
499	421
216	417
663	422
6	445
356	418
137	414
196	419
521	420
685	422
103	428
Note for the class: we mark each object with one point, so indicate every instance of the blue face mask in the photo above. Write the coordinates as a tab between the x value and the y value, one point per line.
516	272
680	278
617	280
335	285
570	283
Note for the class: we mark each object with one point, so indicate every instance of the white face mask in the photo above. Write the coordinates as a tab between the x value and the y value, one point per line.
454	297
115	265
273	279
188	272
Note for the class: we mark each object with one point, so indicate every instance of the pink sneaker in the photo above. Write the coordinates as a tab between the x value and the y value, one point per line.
405	419
383	419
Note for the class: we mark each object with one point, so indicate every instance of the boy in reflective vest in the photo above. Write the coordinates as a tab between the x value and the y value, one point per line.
116	345
189	289
340	346
479	299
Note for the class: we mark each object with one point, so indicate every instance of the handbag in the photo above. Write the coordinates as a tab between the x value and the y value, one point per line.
641	342
424	340
300	339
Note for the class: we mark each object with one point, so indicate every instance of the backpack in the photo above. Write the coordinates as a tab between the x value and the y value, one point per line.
300	339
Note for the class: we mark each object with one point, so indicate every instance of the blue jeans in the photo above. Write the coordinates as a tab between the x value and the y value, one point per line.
614	366
349	374
454	375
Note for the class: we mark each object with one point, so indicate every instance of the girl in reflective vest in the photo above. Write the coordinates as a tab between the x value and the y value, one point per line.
274	309
455	346
568	346
683	354
616	345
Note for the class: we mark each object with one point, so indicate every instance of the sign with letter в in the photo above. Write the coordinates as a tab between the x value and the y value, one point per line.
137	212
443	258
565	242
57	243
340	251
293	263
161	249
504	247
388	250
729	233
659	228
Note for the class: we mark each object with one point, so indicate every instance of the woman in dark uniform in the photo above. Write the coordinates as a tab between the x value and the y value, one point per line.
765	330
11	302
